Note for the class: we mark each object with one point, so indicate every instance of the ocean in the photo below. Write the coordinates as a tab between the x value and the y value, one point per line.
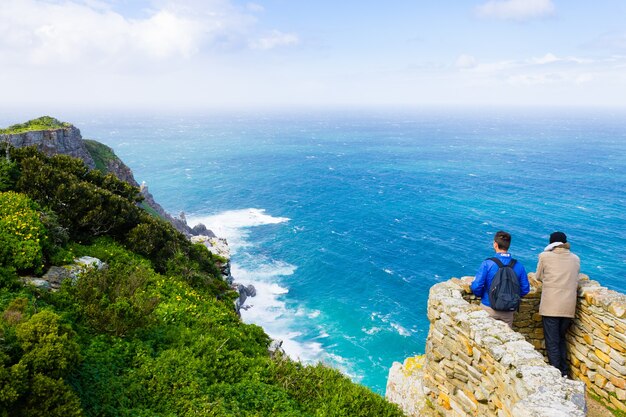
343	220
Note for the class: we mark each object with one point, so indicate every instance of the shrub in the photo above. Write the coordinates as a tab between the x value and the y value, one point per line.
14	313
8	276
9	173
325	391
50	397
47	344
13	383
87	203
116	300
21	232
247	397
31	381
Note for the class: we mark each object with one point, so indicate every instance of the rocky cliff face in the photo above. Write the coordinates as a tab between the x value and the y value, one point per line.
121	171
69	141
66	141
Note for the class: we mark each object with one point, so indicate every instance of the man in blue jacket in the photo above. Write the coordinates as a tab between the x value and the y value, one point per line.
481	284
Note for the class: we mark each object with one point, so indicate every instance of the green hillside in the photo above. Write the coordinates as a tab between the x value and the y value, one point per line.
152	334
41	123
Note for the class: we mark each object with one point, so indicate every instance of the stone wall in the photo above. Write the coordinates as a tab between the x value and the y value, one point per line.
527	320
597	343
475	365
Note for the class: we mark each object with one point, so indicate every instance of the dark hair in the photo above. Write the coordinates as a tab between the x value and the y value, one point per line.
558	237
503	240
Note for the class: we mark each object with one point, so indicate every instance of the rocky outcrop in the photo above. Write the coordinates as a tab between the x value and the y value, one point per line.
69	141
219	246
118	168
56	275
66	141
179	223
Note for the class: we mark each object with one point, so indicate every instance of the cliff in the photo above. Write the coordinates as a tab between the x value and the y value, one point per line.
53	137
65	140
150	332
476	366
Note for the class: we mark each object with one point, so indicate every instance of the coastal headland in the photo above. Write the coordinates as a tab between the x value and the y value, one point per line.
111	307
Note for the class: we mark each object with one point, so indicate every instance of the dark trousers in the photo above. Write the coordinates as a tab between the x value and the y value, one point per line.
554	330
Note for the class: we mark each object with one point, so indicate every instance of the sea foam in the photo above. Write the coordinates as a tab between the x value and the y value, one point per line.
268	308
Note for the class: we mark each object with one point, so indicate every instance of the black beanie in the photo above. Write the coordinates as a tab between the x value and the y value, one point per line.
558	237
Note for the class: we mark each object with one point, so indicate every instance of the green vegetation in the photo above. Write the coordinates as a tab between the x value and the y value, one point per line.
100	153
21	233
41	123
150	210
152	334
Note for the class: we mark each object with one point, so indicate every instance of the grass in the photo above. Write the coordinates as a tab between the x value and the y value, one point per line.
150	210
41	123
101	154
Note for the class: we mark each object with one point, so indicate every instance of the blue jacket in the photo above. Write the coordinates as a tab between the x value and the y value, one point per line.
486	272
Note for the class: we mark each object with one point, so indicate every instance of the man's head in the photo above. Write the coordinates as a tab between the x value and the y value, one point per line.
502	240
558	237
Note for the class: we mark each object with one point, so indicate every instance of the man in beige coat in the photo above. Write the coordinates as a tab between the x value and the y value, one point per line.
558	269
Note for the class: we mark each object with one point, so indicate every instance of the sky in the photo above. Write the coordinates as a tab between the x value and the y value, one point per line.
230	54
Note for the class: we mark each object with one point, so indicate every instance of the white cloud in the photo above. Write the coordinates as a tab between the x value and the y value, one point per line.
465	61
255	8
516	9
48	33
165	35
549	70
275	39
550	58
546	59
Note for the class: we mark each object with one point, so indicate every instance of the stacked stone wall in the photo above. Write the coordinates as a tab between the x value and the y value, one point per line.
597	343
475	365
527	320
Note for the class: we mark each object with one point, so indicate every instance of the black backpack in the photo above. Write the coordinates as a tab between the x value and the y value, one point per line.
504	290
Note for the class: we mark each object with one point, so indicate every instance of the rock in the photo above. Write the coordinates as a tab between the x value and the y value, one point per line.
36	282
88	261
405	387
216	245
57	274
244	292
66	141
251	290
276	348
201	229
179	224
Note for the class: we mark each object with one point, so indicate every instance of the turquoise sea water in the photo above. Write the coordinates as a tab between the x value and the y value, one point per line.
344	220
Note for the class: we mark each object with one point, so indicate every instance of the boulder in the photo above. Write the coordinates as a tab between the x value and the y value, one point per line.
57	274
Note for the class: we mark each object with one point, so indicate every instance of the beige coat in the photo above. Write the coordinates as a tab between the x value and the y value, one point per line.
558	270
